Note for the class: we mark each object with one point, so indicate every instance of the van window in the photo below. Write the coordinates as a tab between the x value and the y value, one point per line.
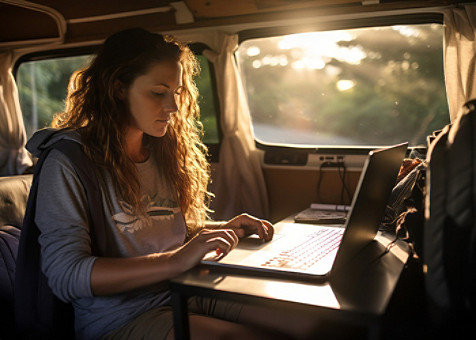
42	87
356	87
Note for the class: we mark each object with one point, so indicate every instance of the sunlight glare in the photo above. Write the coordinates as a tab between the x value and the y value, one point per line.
253	51
309	63
345	84
256	64
313	294
318	48
283	60
407	31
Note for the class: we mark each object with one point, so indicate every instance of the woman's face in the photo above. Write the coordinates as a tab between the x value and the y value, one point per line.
153	98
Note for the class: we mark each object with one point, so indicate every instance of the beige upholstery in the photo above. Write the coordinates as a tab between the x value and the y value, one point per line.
14	192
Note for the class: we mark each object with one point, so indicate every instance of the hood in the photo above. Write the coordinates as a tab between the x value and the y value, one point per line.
43	138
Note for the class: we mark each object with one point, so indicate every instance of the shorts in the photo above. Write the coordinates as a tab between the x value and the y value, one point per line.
158	322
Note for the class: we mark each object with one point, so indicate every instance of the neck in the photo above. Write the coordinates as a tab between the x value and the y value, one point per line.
135	149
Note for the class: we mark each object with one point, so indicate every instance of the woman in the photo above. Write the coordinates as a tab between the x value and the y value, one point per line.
134	110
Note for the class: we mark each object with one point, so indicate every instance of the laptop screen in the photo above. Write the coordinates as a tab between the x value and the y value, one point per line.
376	182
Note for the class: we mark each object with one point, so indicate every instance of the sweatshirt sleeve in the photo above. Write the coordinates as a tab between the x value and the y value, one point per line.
63	220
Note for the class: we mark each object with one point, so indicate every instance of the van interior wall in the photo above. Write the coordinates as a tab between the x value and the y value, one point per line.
289	190
292	190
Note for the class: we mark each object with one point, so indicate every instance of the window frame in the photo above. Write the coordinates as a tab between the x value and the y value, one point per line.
197	48
213	148
388	20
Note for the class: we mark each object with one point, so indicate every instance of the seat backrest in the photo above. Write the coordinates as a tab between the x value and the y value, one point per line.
39	314
450	228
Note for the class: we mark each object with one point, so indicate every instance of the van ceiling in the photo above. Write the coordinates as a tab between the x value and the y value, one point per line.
29	22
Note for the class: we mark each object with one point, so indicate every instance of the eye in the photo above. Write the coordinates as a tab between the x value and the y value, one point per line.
179	91
158	94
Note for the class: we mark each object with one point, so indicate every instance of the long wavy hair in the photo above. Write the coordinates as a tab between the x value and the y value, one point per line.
96	108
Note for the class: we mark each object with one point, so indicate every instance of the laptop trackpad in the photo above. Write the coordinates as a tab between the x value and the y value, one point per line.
245	247
253	242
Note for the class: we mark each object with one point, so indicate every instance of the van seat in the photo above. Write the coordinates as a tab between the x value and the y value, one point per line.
14	191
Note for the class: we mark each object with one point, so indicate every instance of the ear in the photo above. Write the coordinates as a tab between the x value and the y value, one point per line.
120	90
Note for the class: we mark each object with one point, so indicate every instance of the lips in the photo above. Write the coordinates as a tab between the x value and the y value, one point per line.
165	121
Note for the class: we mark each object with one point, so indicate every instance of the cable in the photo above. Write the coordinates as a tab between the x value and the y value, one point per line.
319	181
344	188
342	171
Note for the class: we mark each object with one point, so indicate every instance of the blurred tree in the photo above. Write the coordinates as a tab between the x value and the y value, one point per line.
396	89
42	87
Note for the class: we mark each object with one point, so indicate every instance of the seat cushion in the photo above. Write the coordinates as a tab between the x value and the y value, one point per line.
14	191
9	238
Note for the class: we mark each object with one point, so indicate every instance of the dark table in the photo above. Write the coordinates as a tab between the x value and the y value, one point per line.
358	294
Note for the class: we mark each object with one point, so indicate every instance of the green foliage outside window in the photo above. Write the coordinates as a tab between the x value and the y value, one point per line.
42	87
370	86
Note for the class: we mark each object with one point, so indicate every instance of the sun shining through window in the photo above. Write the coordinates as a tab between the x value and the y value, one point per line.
366	86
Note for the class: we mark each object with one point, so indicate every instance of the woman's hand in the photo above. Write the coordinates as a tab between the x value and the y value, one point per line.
221	238
244	225
118	275
207	240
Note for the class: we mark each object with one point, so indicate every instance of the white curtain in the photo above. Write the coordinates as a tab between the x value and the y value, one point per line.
14	159
239	185
460	54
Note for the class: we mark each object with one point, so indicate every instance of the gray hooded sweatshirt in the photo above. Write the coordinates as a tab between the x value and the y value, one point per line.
62	217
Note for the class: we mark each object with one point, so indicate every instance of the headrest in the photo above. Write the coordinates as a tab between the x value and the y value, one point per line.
14	192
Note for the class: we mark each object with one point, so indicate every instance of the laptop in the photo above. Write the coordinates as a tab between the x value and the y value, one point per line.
310	251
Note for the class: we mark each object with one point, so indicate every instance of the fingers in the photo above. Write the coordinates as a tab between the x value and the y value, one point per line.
245	225
267	231
222	240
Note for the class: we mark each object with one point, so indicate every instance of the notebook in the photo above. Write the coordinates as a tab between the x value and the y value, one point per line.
323	214
294	243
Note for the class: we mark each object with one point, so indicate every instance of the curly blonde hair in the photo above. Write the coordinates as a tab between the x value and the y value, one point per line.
95	108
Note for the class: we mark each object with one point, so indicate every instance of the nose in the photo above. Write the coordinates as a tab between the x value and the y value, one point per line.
171	105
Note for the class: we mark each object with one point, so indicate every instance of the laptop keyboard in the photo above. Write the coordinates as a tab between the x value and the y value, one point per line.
307	253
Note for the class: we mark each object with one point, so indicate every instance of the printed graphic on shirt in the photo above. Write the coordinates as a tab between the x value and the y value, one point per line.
162	209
